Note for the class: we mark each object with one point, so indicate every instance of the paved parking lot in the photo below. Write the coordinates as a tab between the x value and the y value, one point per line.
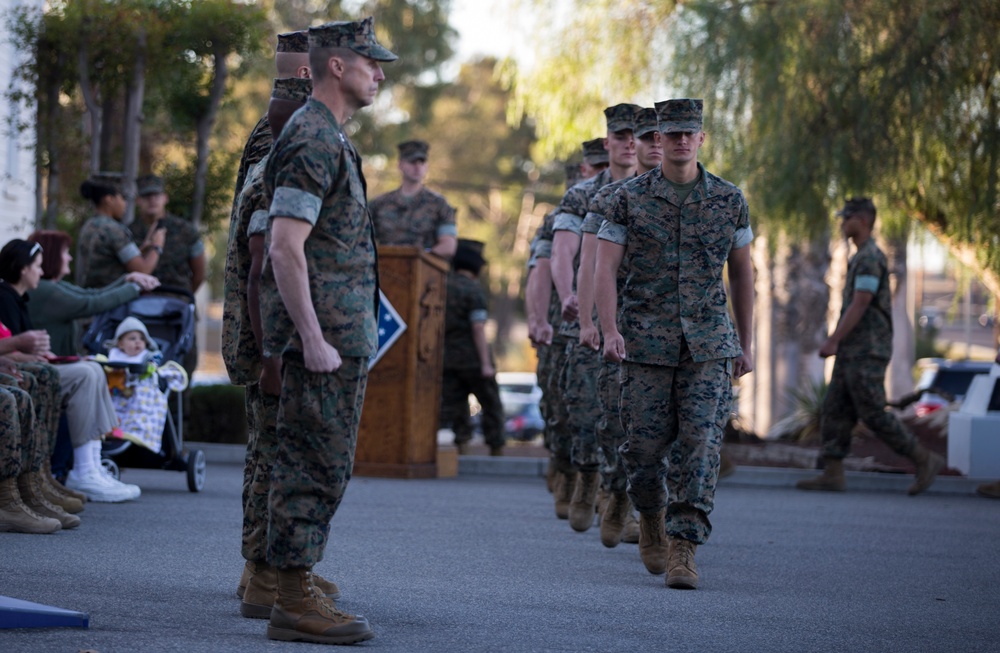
478	563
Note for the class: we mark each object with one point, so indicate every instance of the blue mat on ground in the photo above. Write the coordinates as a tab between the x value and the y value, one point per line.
15	613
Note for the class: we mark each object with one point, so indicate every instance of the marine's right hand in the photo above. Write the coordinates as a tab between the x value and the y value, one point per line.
322	358
614	347
590	337
540	334
570	308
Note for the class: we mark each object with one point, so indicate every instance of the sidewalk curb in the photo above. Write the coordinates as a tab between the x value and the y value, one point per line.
234	454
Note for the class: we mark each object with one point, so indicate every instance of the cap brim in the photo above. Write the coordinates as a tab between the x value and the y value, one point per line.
674	126
376	52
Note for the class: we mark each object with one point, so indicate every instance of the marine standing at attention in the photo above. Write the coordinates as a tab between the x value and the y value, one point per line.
319	298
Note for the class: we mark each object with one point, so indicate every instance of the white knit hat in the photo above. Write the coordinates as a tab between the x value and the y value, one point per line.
135	324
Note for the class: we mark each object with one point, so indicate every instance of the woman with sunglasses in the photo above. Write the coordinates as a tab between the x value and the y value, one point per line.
84	388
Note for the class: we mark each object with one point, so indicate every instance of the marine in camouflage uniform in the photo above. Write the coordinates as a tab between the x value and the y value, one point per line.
240	348
581	366
413	214
551	354
104	246
183	245
314	175
862	343
674	229
465	370
258	145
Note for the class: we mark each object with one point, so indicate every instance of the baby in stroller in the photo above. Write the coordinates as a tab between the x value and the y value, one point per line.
135	375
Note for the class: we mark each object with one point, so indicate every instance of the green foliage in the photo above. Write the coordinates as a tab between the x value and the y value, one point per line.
604	53
815	101
218	414
803	424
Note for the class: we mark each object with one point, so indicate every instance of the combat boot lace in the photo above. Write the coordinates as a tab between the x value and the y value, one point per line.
682	574
831	480
652	541
302	614
15	517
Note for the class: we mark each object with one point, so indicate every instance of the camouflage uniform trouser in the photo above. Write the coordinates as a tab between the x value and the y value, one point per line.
561	442
676	412
262	445
455	390
317	433
17	421
610	434
541	371
857	391
578	384
43	383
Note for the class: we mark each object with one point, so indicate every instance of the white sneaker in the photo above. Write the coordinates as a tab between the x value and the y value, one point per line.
110	481
131	491
94	486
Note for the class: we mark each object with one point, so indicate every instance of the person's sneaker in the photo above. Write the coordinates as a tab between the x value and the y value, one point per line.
133	491
96	488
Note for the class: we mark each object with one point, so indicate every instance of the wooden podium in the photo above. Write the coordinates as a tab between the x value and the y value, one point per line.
399	422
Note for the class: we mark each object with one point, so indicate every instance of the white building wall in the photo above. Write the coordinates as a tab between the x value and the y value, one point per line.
17	168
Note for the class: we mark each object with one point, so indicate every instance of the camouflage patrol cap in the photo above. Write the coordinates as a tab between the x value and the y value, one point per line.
150	185
645	121
594	152
857	205
294	42
679	115
621	117
358	35
293	89
413	150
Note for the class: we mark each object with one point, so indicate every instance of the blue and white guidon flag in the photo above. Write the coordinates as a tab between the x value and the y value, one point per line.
390	328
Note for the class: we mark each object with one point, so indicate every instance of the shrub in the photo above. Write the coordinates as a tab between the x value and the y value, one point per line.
218	414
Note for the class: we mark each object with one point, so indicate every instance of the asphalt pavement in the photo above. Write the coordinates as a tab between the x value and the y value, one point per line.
479	563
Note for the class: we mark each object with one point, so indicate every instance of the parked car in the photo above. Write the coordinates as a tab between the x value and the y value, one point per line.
943	381
526	425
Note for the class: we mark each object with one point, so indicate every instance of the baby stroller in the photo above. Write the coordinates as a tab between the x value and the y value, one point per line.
168	314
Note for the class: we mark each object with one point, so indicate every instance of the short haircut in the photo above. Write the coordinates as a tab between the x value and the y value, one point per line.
319	57
53	243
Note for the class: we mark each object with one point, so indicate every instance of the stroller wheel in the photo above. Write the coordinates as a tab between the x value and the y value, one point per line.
111	467
196	470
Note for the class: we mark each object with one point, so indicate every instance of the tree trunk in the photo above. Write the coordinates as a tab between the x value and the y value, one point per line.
899	379
789	305
48	125
91	100
133	123
204	131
